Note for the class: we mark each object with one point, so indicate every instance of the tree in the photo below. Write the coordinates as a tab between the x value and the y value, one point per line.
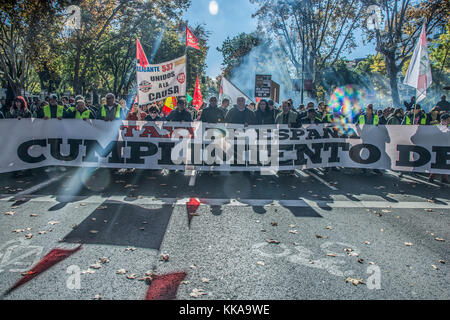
235	49
25	31
397	39
312	33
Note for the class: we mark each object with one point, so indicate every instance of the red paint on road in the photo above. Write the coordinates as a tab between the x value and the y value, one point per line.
52	258
165	287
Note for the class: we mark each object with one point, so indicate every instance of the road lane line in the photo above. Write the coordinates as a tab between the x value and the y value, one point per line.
38	186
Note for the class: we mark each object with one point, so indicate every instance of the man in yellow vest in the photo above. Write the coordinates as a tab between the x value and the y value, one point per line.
415	116
111	111
369	117
83	112
53	109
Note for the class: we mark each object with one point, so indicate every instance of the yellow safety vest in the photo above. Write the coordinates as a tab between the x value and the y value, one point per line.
362	119
48	113
422	121
84	115
103	112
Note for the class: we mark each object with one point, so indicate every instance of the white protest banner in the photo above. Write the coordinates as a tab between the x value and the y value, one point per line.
159	81
34	143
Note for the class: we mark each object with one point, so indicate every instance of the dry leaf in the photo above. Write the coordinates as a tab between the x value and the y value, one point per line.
96	265
33	215
361	260
98	297
261	263
164	257
104	260
131	276
93	231
274	224
42	232
10	213
185	282
53	222
318	236
29	236
292	226
273	241
385	211
409	244
329	228
355	281
130	249
435	267
442	261
193	266
439	239
18	230
293	231
121	271
90	271
205	280
331	255
366	242
197	293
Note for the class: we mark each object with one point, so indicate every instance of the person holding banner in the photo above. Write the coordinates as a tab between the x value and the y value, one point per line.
111	111
396	118
263	114
287	116
19	109
369	117
434	117
212	114
136	114
83	112
51	110
415	116
153	114
224	105
240	114
180	114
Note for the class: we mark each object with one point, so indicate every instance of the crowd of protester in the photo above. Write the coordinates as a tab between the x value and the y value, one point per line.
265	112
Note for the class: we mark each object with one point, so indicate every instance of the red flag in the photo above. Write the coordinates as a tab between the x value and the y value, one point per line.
191	40
198	100
140	55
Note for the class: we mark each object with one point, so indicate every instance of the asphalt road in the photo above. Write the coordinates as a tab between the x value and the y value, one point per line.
391	232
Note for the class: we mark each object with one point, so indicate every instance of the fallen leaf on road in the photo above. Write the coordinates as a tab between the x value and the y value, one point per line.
408	244
329	228
428	210
386	211
355	281
53	222
439	239
104	260
435	267
29	236
93	231
197	293
102	207
361	260
318	236
130	249
273	241
185	282
164	257
131	276
193	266
83	204
442	261
274	224
293	231
90	271
10	213
331	255
98	297
96	265
261	263
74	226
42	232
263	230
121	271
33	215
18	230
366	242
205	280
292	226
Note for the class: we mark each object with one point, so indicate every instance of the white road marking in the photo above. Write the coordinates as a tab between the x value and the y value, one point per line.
95	200
301	173
404	176
322	181
39	186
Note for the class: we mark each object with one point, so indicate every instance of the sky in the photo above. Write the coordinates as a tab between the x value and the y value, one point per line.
233	17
